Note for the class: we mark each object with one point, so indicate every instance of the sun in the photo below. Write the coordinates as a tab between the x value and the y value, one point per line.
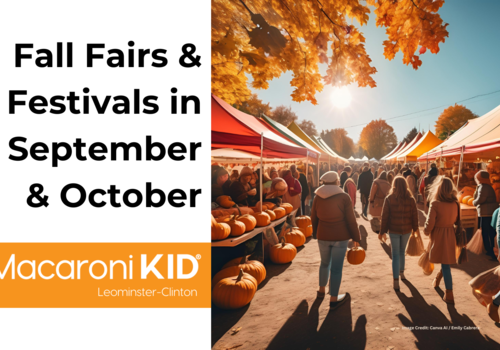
341	97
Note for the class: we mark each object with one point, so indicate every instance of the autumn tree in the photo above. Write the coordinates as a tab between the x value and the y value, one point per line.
264	39
410	136
452	119
284	115
255	106
339	142
308	127
377	139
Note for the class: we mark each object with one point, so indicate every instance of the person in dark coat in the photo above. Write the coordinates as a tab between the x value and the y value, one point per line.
305	189
485	201
343	177
364	186
241	191
429	180
407	172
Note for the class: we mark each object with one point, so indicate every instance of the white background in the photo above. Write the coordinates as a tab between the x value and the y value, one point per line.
150	24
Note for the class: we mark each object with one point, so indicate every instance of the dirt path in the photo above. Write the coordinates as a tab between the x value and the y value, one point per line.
286	315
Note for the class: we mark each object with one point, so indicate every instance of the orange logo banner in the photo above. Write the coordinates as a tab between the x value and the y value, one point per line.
105	275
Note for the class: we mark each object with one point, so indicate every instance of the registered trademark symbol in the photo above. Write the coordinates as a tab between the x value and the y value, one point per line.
198	256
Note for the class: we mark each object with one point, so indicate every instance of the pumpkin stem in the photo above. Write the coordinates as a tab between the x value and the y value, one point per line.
283	242
240	276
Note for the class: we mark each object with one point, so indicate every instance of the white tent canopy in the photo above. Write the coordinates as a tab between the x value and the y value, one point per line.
229	155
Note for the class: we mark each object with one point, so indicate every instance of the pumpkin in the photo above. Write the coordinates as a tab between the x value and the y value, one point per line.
225	201
303	221
282	253
280	212
294	236
307	231
249	221
263	219
234	292
259	207
356	255
225	218
288	207
231	271
271	214
270	205
237	228
220	230
430	268
466	199
470	201
466	191
252	267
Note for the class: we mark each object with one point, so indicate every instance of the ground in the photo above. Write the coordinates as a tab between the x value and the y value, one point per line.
285	313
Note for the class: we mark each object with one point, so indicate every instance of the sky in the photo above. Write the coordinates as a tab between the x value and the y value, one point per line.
467	65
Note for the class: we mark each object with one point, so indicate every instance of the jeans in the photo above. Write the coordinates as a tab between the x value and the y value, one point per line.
332	261
398	243
489	234
448	282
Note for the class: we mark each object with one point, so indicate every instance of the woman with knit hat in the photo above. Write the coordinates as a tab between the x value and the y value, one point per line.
399	220
241	191
334	224
220	183
485	201
443	214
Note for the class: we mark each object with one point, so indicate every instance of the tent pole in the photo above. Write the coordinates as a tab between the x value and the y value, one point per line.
261	166
307	164
460	164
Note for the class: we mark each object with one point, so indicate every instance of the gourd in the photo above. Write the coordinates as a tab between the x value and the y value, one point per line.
470	201
271	214
270	205
252	267
249	221
466	199
220	230
303	221
234	292
288	207
282	253
237	227
466	191
280	212
356	255
294	236
307	231
263	219
225	201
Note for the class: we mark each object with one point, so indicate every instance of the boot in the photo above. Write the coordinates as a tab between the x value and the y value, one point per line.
396	284
448	297
493	312
437	280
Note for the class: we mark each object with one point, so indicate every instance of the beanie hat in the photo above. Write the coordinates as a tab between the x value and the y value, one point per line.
330	177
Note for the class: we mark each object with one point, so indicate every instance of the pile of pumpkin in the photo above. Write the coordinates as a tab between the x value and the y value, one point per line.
236	225
234	286
466	195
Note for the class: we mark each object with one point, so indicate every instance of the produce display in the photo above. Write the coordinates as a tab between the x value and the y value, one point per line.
220	230
225	201
271	214
294	236
249	221
282	253
304	224
252	267
263	219
234	292
280	212
288	207
237	227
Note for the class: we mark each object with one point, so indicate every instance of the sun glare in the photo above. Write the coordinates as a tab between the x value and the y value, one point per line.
341	97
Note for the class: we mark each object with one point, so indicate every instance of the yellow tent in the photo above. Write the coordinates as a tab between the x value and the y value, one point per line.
325	155
425	144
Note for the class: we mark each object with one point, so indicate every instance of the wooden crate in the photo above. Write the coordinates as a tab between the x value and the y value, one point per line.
468	215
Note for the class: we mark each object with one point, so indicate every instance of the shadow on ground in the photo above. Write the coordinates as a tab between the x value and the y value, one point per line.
424	316
301	330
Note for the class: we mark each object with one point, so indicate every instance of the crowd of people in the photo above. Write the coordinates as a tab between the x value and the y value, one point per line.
389	195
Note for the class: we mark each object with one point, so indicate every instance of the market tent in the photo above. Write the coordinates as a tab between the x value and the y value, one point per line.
351	158
283	131
425	144
229	155
394	151
365	158
373	160
234	129
293	127
325	146
479	138
394	157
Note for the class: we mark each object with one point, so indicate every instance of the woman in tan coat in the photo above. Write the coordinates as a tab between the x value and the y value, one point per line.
443	214
334	224
380	189
399	219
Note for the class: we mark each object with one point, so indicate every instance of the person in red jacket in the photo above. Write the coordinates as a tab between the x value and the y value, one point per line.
350	186
292	196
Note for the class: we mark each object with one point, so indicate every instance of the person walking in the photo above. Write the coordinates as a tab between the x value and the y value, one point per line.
380	189
411	179
334	224
349	186
364	186
305	189
399	219
428	181
485	201
443	214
